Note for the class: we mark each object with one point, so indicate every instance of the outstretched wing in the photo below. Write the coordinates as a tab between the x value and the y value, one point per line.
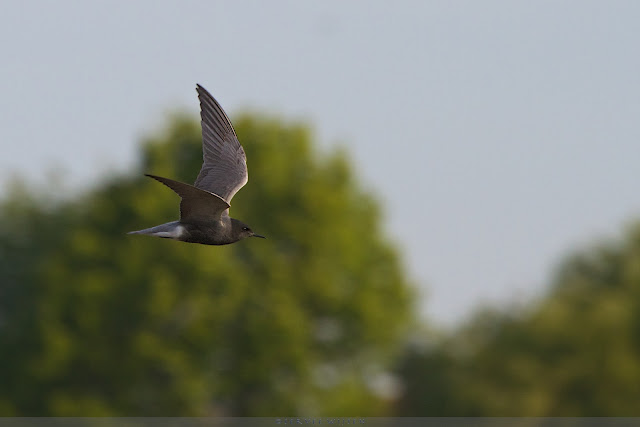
196	204
224	170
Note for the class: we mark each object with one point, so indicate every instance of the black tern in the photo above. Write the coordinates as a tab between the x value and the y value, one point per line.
204	206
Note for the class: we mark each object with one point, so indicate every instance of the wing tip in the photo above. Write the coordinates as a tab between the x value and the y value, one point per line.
200	89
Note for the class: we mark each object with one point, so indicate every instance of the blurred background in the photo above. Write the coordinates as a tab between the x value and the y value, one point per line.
449	190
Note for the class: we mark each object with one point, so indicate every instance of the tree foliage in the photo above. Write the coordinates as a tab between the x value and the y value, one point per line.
576	352
94	322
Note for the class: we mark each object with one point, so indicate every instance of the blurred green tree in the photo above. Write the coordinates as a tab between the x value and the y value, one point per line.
94	322
575	352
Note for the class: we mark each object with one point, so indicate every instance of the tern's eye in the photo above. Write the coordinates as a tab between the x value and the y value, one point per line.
245	228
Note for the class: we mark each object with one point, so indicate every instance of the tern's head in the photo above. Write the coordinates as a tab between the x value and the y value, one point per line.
242	230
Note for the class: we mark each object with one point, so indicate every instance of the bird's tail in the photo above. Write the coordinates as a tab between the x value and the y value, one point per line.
170	230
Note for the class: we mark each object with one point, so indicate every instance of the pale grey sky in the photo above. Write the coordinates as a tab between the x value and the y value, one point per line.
499	134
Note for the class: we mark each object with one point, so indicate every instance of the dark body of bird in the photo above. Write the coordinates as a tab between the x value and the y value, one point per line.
204	206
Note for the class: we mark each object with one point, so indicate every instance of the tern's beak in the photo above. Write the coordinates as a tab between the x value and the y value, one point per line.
257	235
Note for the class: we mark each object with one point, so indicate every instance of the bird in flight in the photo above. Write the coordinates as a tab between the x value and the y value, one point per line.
204	206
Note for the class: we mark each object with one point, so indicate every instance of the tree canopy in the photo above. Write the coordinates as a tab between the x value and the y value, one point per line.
576	352
95	322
